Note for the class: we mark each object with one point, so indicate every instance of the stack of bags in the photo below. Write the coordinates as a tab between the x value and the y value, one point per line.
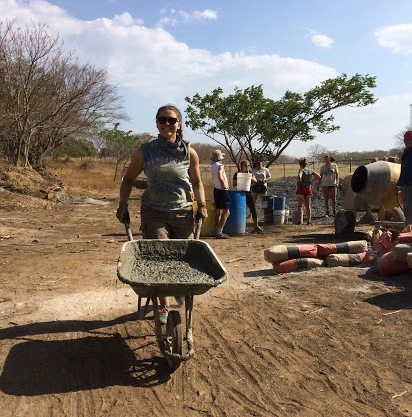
293	258
394	253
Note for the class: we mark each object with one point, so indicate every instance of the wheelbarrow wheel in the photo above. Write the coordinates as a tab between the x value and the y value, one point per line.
174	337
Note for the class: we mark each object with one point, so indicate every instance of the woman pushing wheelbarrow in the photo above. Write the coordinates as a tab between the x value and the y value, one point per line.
168	262
172	171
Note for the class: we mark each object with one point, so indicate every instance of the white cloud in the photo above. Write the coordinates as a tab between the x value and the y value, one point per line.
321	41
172	17
397	37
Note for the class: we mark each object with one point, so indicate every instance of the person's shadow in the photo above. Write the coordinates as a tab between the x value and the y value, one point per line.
36	367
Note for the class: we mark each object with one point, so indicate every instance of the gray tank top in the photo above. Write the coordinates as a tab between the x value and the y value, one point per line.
168	184
306	177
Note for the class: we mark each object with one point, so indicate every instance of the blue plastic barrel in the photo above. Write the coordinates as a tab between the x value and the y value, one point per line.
267	206
279	203
236	223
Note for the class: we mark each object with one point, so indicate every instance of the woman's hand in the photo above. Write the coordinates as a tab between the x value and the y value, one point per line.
122	213
201	211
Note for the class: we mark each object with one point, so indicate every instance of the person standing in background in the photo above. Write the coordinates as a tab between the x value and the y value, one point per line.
405	180
262	175
329	181
304	191
250	202
220	192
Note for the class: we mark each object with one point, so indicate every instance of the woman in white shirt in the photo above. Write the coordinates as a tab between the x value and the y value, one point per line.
262	176
329	181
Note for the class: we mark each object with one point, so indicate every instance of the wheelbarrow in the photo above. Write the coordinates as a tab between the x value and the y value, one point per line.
170	267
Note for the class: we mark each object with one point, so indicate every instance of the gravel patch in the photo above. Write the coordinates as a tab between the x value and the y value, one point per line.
286	187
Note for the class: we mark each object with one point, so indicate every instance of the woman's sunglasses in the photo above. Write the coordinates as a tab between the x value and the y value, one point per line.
168	120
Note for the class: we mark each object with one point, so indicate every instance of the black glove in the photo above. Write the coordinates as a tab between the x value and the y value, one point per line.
122	213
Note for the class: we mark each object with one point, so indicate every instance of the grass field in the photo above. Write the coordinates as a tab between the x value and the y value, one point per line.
97	175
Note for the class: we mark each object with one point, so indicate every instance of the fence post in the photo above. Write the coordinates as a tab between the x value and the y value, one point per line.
350	165
284	170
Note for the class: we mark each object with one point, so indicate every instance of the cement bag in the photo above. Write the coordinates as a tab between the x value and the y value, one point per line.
388	265
401	250
354	246
296	265
280	253
349	259
409	259
405	237
383	243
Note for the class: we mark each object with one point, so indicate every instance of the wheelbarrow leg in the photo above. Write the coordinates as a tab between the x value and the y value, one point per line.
142	313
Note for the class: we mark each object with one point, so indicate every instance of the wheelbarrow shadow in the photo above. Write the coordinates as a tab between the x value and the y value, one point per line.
37	367
399	299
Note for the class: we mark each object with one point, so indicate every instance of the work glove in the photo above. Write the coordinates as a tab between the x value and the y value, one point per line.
122	213
201	212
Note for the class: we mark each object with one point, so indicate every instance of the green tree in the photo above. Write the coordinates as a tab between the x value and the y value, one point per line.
121	144
75	148
247	124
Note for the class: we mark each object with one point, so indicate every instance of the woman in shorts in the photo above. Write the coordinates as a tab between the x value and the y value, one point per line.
304	191
329	182
172	171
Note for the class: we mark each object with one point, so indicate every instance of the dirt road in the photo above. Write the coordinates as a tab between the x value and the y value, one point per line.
329	342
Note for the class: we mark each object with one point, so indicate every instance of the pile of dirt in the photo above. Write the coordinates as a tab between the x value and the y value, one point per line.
286	187
27	181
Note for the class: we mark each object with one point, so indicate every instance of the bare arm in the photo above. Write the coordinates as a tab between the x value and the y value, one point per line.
195	178
316	175
222	178
133	171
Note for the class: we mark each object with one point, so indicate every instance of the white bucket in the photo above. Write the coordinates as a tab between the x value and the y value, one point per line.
278	216
244	180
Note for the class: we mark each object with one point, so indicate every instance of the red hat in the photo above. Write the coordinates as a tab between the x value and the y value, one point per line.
408	135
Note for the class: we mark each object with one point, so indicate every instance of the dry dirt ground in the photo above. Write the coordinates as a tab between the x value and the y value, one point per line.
327	342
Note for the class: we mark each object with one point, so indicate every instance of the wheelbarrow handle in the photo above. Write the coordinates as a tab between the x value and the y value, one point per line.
198	228
128	229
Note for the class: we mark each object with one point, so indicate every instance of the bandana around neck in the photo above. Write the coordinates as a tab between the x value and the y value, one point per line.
178	149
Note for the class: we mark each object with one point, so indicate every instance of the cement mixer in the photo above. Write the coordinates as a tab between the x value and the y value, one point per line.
371	188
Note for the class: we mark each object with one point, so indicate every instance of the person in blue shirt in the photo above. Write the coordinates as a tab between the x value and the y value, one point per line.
405	180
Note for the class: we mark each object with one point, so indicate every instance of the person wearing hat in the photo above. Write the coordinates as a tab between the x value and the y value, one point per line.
304	191
405	180
220	192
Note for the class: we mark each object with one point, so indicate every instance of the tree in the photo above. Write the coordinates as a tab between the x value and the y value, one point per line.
249	125
316	152
48	96
121	144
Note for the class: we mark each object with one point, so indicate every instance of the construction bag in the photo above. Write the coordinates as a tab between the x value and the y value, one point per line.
401	250
388	265
383	243
349	259
280	253
354	246
296	265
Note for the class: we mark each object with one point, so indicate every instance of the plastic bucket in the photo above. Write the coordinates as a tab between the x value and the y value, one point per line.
279	203
244	180
278	216
287	212
208	225
267	206
236	223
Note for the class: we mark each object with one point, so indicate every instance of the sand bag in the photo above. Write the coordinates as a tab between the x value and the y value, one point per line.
405	237
401	250
383	243
388	265
296	265
409	259
354	246
280	253
349	259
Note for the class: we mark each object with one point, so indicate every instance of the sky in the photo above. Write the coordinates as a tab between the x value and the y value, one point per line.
160	52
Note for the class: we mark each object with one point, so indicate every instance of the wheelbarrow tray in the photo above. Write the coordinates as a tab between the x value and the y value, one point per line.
156	252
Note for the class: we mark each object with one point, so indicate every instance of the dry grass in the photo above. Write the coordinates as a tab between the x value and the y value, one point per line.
95	176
